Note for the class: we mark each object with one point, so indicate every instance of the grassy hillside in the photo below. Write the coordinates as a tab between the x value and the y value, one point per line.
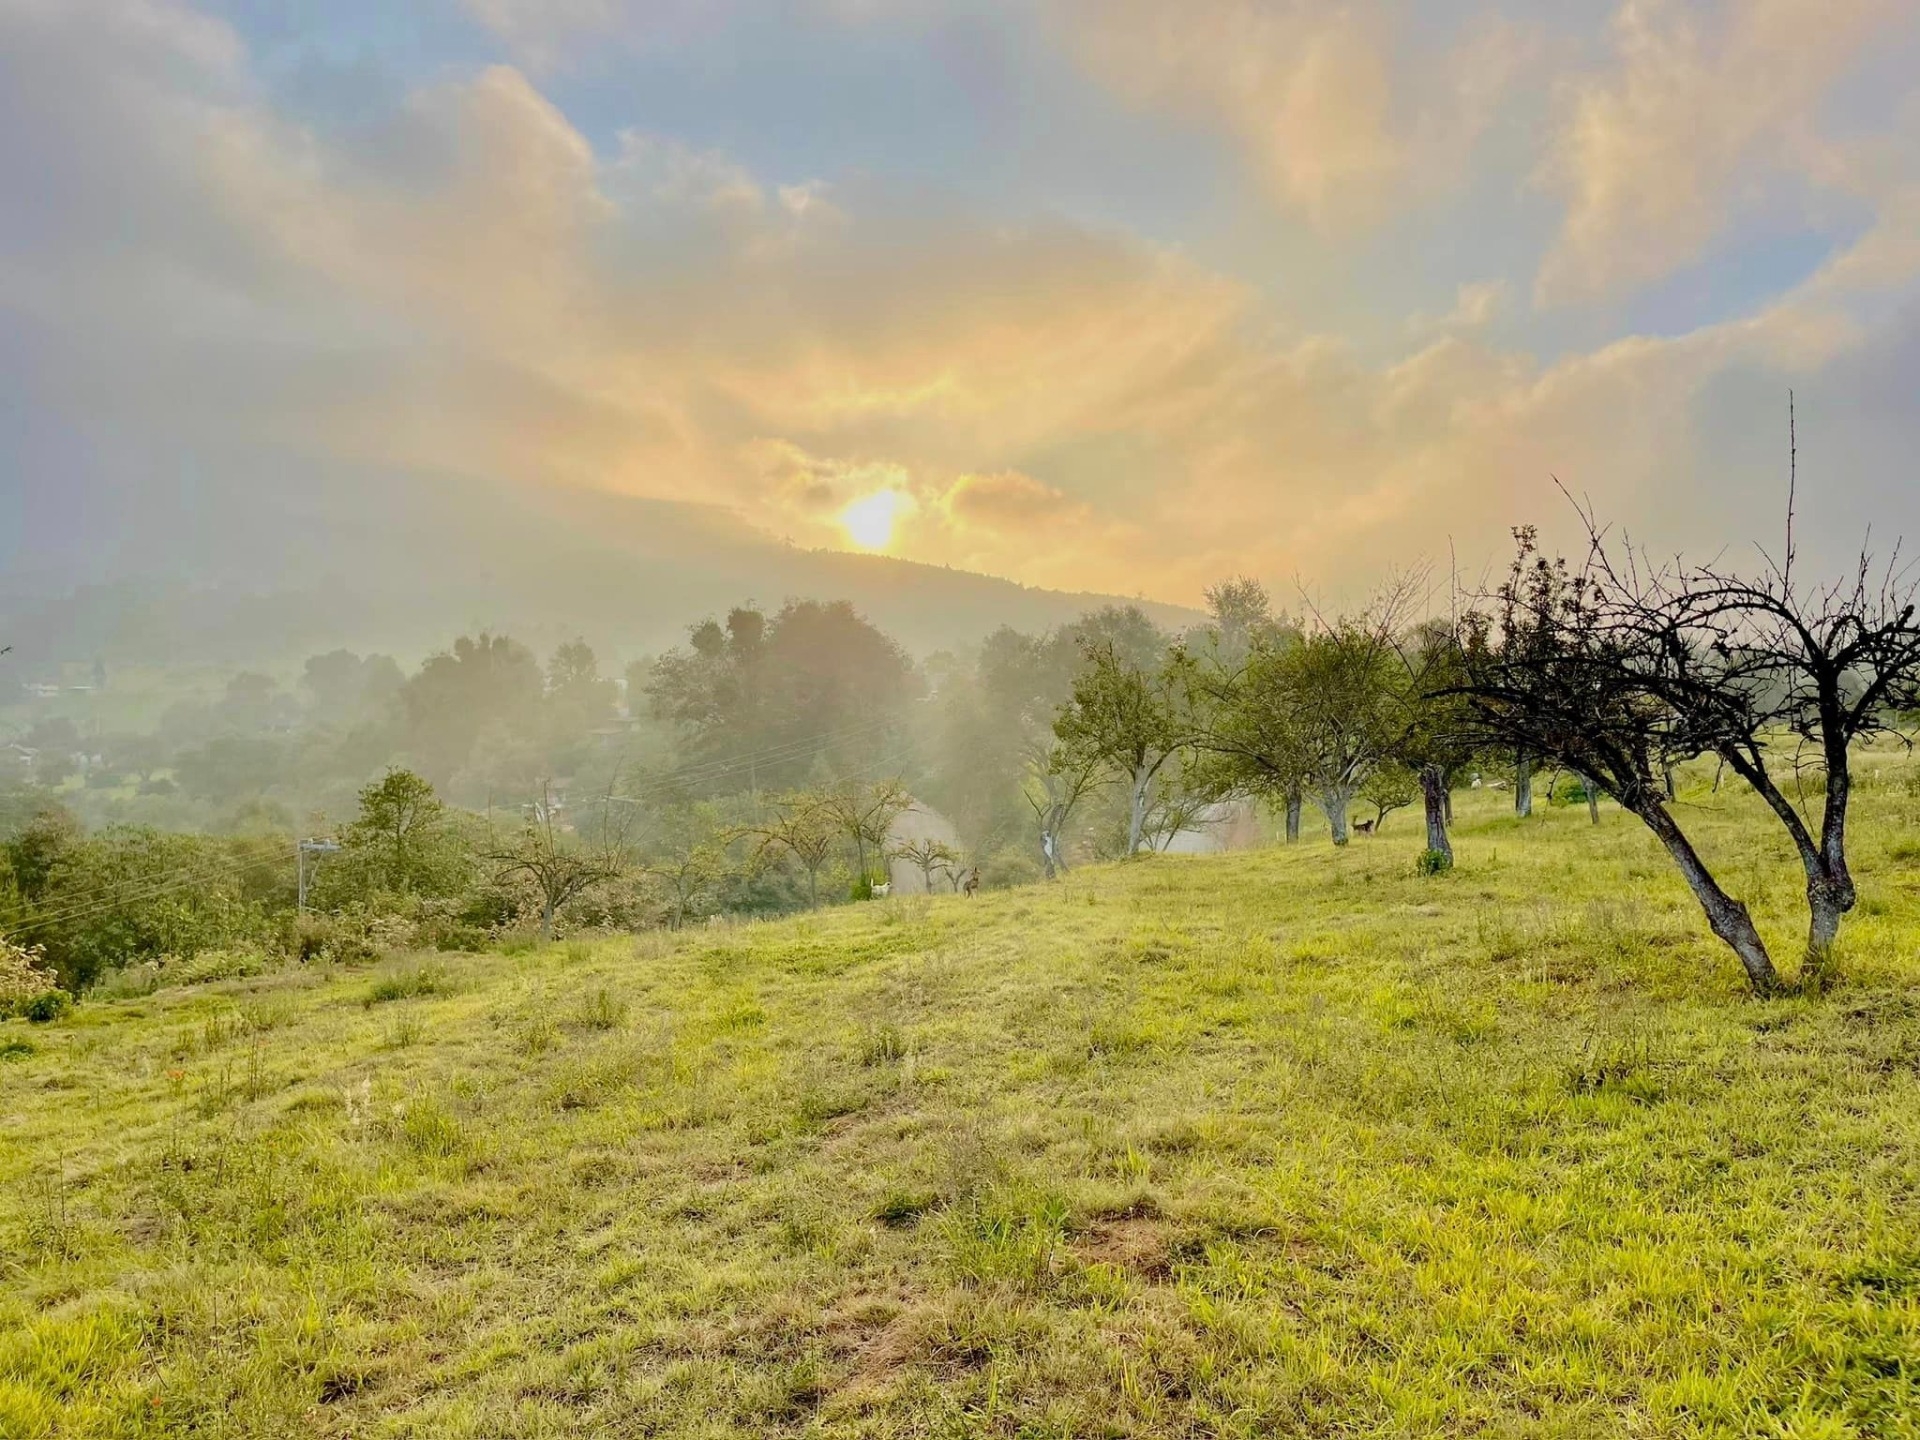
1288	1143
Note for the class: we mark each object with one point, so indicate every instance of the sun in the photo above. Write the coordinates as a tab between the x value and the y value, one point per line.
869	521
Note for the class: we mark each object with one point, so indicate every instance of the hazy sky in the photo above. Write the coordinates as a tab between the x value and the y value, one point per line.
1115	294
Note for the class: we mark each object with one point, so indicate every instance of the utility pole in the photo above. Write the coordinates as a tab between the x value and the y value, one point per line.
301	850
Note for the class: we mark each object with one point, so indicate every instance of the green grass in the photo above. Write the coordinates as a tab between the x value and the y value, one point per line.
1288	1143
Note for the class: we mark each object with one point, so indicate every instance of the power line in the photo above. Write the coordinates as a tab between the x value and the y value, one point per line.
714	770
100	902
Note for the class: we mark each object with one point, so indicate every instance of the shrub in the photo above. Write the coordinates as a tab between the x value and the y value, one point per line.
24	978
353	936
1434	862
47	1006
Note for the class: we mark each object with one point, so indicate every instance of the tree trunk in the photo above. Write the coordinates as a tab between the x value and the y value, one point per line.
1830	890
1827	902
546	919
1446	800
1334	802
1433	790
1048	846
813	889
1834	895
1726	916
1293	817
1588	789
1137	813
1523	787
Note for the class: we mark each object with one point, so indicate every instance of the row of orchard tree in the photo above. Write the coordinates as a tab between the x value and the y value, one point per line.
764	765
1608	665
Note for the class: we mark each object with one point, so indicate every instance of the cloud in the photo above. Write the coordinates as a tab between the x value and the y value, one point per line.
1476	305
469	289
1008	500
1342	129
1695	124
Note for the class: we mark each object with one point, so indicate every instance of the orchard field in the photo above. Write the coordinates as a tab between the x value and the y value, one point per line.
1288	1142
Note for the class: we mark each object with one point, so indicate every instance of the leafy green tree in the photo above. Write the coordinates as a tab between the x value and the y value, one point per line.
1343	690
576	694
344	688
481	681
1133	718
763	701
1059	776
133	893
800	827
864	813
684	852
1389	786
36	851
402	841
1438	735
1251	733
229	768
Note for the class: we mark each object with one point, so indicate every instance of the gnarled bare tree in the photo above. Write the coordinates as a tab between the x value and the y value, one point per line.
1617	668
559	863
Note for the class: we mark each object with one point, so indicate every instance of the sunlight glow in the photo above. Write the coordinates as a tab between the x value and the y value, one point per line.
869	521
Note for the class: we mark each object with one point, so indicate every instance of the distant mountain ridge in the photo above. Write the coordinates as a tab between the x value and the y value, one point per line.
262	577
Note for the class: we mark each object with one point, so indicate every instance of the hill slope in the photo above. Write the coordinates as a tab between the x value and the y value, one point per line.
1283	1143
401	563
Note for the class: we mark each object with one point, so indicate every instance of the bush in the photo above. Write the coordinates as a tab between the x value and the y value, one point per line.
24	979
354	936
1434	862
48	1006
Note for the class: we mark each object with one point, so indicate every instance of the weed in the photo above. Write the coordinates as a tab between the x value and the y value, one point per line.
899	1209
402	1032
536	1034
430	1130
1627	1067
601	1010
407	982
882	1045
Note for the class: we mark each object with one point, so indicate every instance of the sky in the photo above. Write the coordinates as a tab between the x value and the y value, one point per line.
1111	295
